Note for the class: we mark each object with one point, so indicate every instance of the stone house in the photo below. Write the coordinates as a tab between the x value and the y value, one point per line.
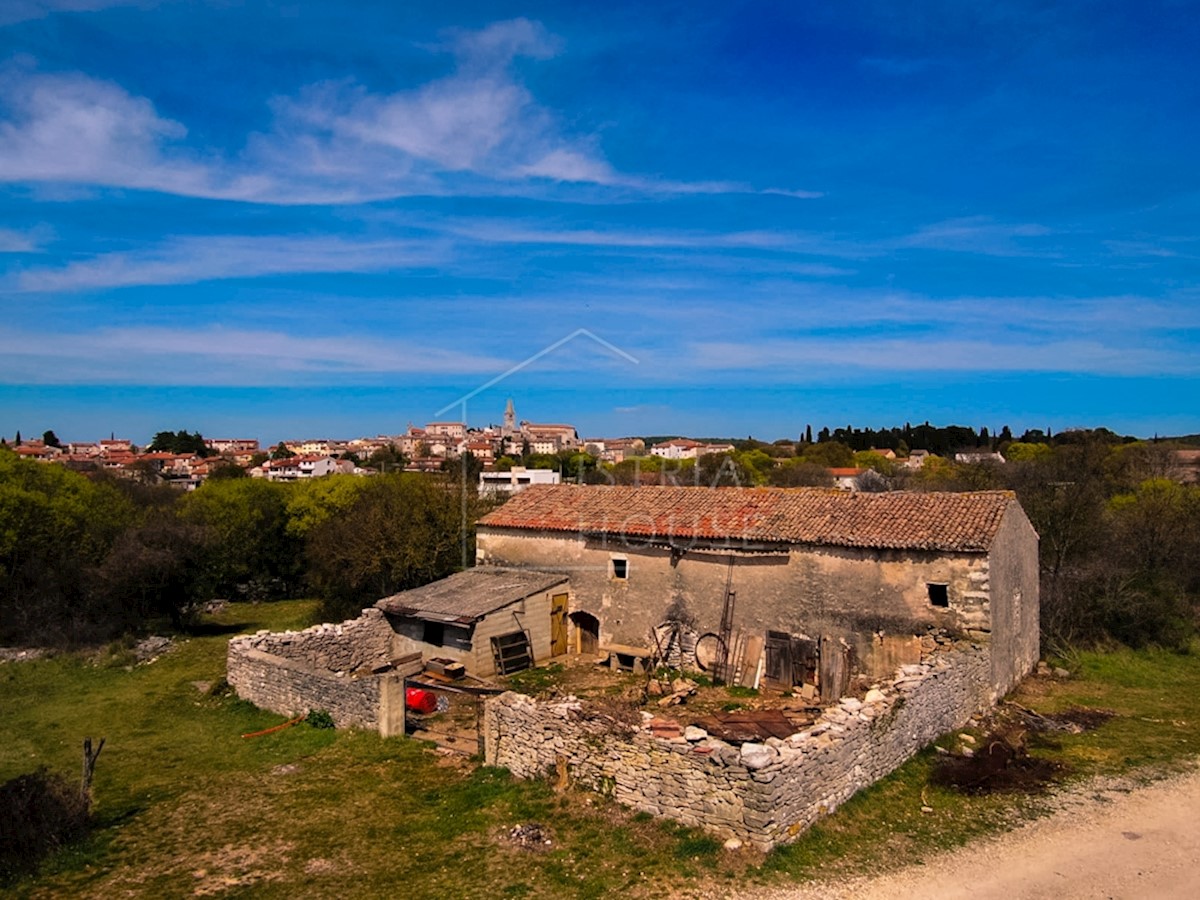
870	571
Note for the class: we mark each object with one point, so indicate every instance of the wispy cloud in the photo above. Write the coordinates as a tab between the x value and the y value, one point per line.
219	355
979	234
475	131
13	11
508	233
195	259
939	354
12	241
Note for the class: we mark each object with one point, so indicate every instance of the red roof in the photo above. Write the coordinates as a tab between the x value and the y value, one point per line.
965	522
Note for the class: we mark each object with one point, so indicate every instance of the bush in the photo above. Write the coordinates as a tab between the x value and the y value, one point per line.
319	718
39	813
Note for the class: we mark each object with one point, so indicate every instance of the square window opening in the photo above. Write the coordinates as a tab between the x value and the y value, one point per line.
435	634
620	569
939	595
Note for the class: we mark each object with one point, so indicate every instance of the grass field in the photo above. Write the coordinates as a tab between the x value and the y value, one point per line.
186	806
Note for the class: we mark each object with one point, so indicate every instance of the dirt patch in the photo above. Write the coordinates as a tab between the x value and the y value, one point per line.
233	867
999	765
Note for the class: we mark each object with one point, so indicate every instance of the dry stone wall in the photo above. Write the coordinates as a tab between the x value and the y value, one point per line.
290	687
362	643
764	794
328	667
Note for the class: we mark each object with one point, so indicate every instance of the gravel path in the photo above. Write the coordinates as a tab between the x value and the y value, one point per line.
1111	839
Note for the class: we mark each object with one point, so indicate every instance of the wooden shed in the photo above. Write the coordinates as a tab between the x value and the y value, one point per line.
493	620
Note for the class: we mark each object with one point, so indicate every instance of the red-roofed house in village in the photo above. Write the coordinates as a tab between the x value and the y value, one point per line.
813	562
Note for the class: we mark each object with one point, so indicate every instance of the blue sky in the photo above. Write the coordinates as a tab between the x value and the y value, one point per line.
292	219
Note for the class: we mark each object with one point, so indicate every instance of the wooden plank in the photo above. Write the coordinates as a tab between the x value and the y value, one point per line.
751	657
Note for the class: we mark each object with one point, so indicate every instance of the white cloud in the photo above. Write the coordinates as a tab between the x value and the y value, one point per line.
476	130
21	241
504	233
219	355
195	259
979	234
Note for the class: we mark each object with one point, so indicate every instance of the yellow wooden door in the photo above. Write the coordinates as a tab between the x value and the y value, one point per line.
558	624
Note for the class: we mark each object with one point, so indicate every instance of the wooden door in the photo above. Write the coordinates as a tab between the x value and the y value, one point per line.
558	624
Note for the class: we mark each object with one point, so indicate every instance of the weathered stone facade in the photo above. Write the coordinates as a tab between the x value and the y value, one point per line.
764	794
800	562
327	667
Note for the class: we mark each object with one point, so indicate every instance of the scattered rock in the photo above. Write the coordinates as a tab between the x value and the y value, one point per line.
152	647
692	734
530	835
875	696
1061	672
21	654
732	844
202	686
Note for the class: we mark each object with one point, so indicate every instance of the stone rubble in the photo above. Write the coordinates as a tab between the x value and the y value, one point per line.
762	794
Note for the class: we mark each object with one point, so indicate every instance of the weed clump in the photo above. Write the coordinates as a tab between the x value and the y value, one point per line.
319	718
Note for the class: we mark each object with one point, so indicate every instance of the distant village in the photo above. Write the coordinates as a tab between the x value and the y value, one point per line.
502	459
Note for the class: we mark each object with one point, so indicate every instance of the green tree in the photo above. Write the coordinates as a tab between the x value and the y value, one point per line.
867	459
402	531
50	439
282	451
314	501
798	473
388	459
832	454
181	441
56	527
250	551
156	568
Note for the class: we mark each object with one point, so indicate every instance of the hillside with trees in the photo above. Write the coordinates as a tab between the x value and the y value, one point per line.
87	557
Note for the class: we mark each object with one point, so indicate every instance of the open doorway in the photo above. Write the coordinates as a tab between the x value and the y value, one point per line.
587	633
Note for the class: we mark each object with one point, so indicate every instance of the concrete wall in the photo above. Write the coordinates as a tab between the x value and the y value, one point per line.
764	794
815	590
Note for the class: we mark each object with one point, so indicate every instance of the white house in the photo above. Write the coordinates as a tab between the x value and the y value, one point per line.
516	479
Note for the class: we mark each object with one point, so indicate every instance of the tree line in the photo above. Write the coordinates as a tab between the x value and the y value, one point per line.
86	557
83	557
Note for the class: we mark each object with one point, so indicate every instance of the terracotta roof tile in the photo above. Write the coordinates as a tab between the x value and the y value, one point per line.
964	522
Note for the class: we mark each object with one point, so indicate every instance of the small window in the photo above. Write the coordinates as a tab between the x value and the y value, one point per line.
620	568
435	634
939	595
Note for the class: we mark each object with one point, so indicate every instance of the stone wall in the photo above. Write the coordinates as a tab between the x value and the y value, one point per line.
764	794
362	643
328	667
290	687
837	591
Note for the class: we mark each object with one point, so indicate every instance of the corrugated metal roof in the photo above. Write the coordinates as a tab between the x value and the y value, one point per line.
469	596
965	522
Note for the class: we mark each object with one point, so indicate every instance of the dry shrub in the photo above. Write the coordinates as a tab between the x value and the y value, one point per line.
39	812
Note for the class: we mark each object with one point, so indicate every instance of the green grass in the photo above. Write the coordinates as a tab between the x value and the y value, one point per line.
185	804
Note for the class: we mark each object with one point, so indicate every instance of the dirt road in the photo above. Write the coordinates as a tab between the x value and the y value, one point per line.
1112	840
